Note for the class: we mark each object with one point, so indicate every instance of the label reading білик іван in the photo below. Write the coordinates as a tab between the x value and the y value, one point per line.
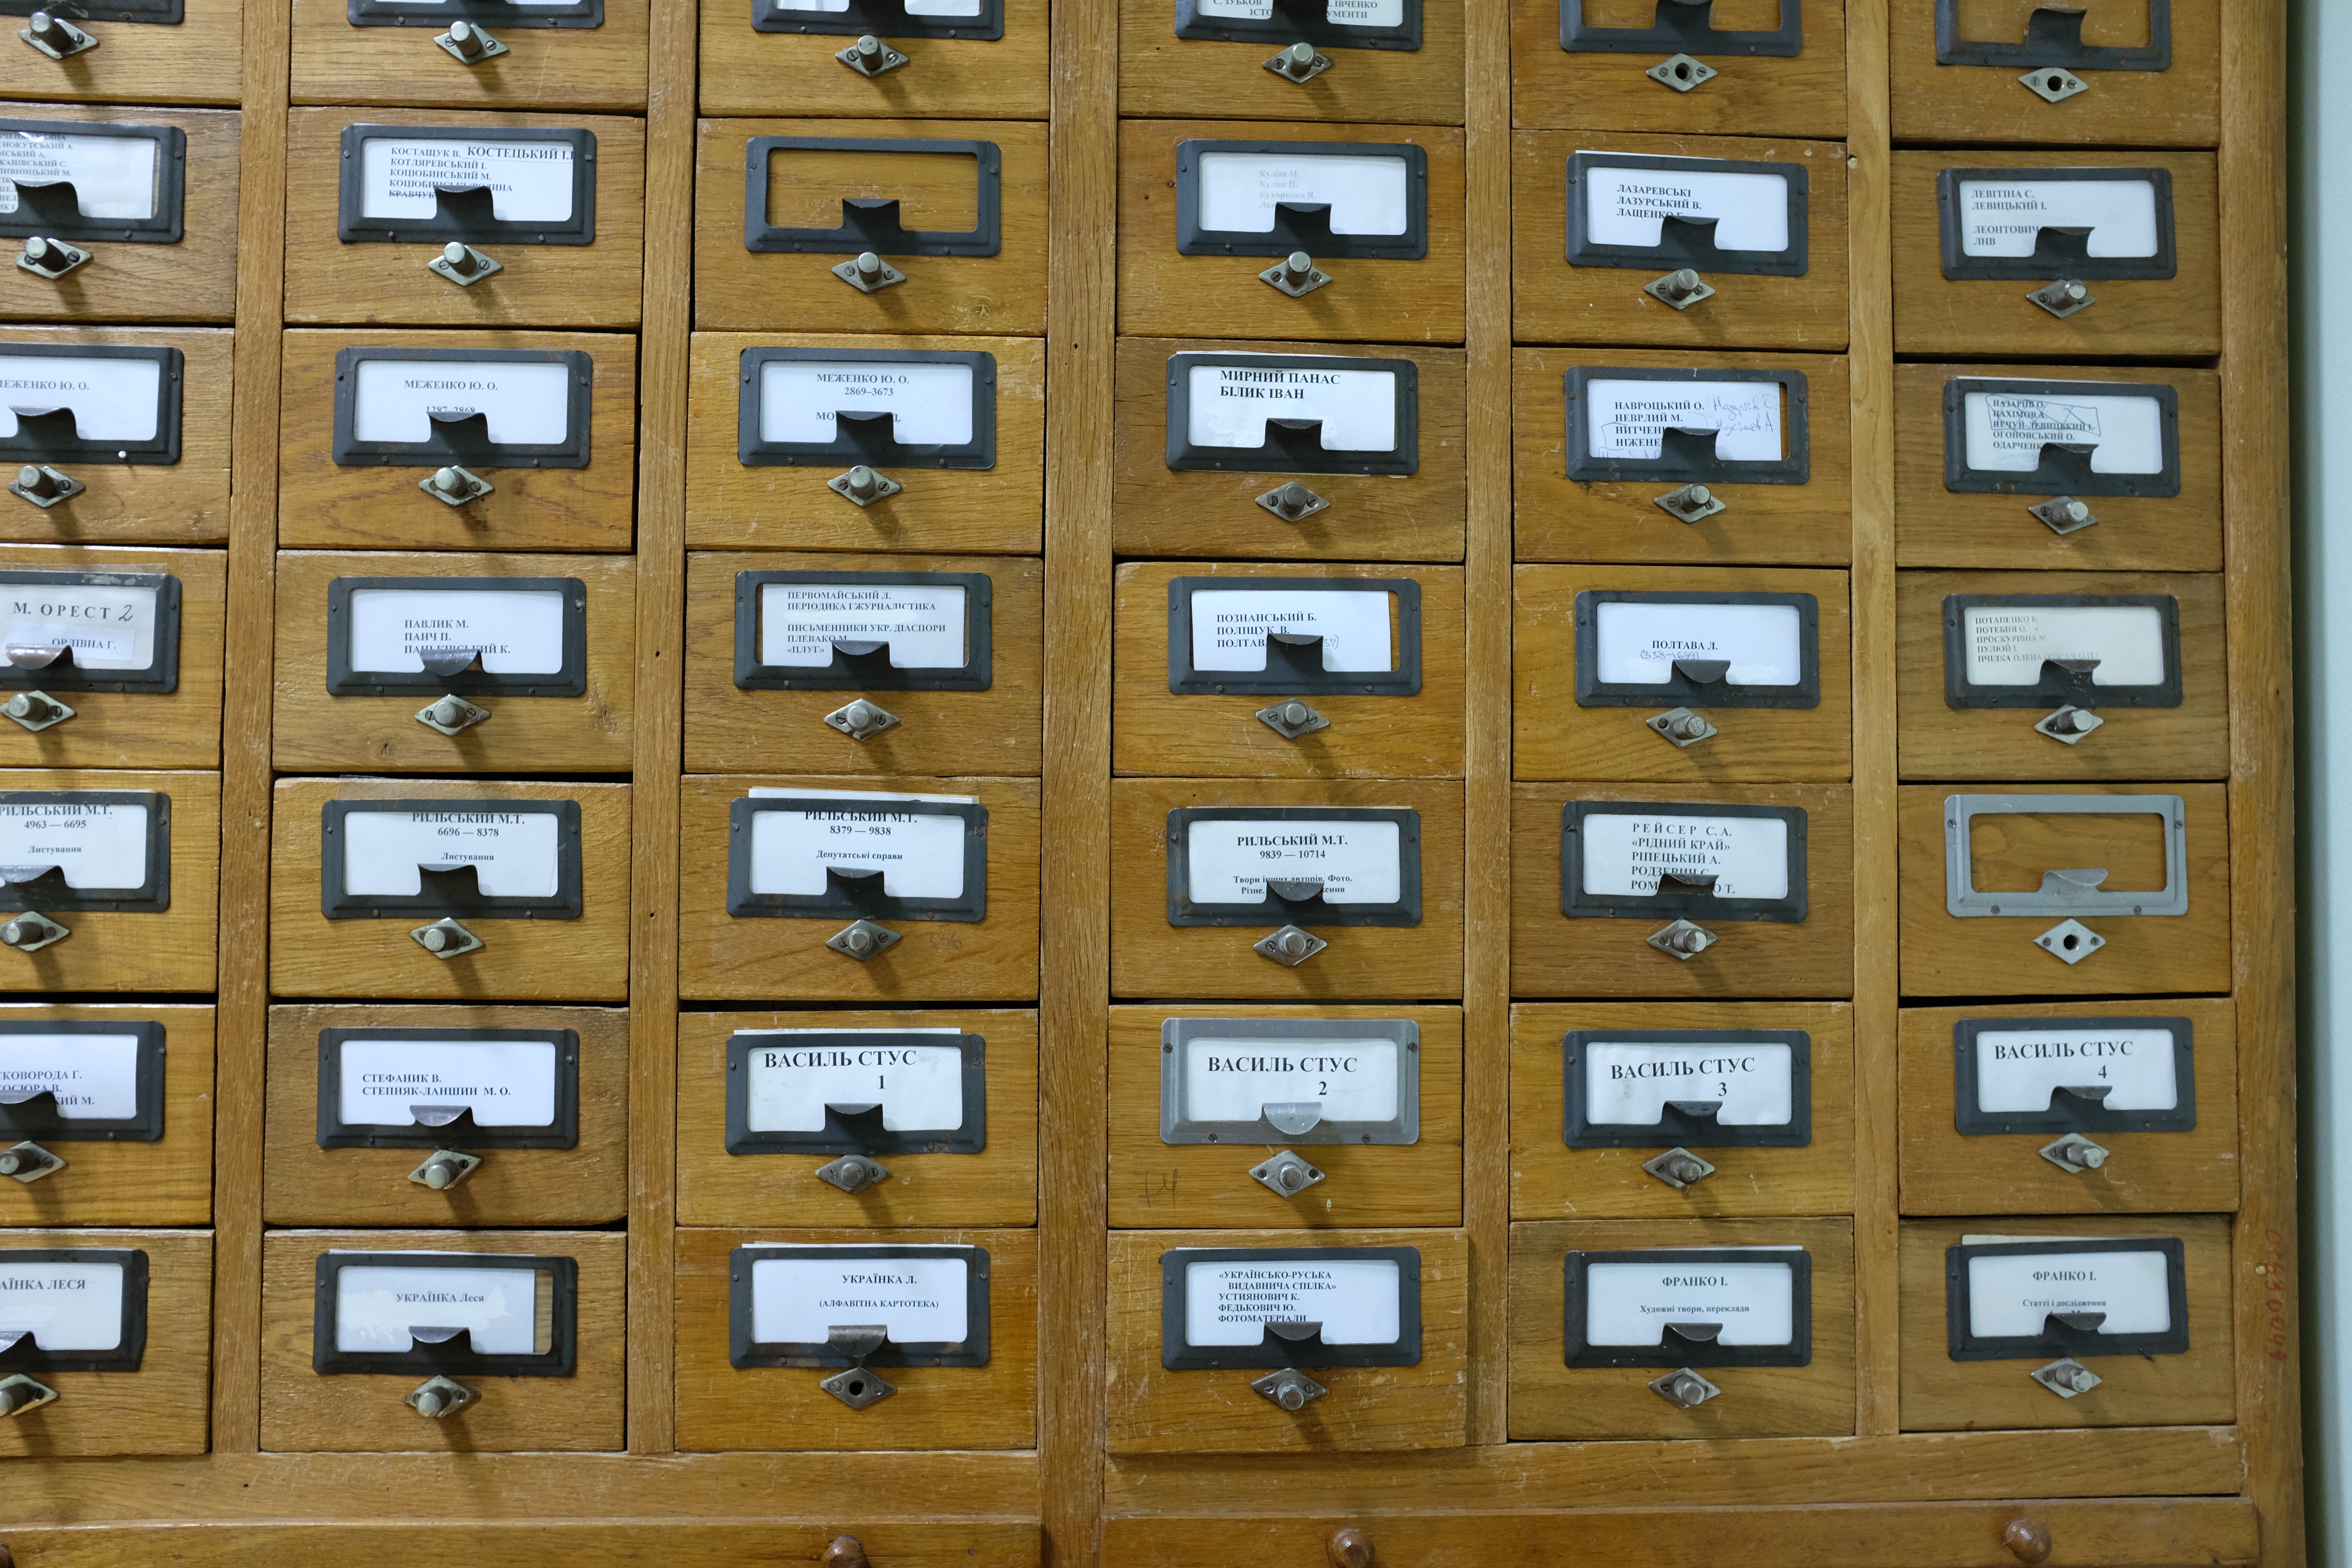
914	8
1368	194
1625	855
2007	430
101	845
1630	1303
919	1300
523	402
94	1078
2011	1295
1629	1082
791	1079
516	631
1234	1079
1359	1302
2017	1070
2005	216
925	624
1629	419
111	399
1630	206
515	854
928	401
1230	625
376	1305
108	627
530	181
919	854
1337	13
2006	643
505	1083
1638	641
112	177
64	1306
1229	405
1229	860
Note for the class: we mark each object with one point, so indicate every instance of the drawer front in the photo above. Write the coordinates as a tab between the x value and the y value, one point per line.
150	945
162	1406
305	1410
545	66
324	504
746	71
199	60
1418	83
1801	1164
179	728
584	1183
1779	86
120	1174
1156	1410
318	730
1364	1179
1550	1399
994	1183
2176	104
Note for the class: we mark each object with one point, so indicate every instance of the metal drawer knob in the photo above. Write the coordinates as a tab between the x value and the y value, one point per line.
1682	289
55	37
468	44
47	257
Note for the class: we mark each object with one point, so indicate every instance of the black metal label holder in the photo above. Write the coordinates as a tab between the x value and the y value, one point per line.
1678	1125
465	1131
1682	685
1276	908
856	895
454	893
161	676
2065	466
882	18
743	1351
849	1129
466	440
2054	36
1295	668
53	435
1695	905
342	681
465	213
1296	22
1688	456
37	1117
1274	1348
1684	26
499	14
51	890
2070	1110
865	665
2057	683
2058	1337
868	439
457	1356
1292	446
131	1348
871	223
1303	225
1689	242
2059	250
155	13
54	210
1676	1350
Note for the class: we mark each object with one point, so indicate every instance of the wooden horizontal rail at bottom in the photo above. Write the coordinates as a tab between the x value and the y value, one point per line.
587	1543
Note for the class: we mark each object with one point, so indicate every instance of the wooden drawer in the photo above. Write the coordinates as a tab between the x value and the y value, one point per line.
2194	1388
1571	721
1550	1399
599	284
179	728
163	1406
184	501
999	290
164	942
996	729
2178	104
2173	525
730	504
305	1410
1554	955
745	71
1572	506
1162	74
724	957
554	959
581	1183
1158	509
324	504
722	1406
1550	1179
2174	315
120	1177
1996	954
1165	293
1983	1169
1151	957
1156	1409
1556	302
190	278
1778	94
318	730
1203	731
198	60
545	66
2188	738
1156	1183
996	1184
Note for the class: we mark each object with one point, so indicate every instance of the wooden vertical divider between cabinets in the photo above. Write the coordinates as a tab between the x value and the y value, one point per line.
1486	805
662	353
1074	884
242	1022
1871	371
2254	517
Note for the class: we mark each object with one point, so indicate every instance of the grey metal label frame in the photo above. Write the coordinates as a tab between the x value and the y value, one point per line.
1576	1268
466	217
1962	900
2065	468
852	444
2066	254
1684	26
160	678
1184	910
1303	225
1285	674
2057	686
457	1356
1292	446
846	897
572	680
499	14
1687	456
126	1356
449	893
50	443
49	214
2054	36
1684	242
1577	904
29	1119
334	1132
2070	1111
151	897
1676	1126
743	1351
1591	691
1272	1350
883	18
1178	1125
871	223
2060	1340
871	671
465	441
1298	21
850	1130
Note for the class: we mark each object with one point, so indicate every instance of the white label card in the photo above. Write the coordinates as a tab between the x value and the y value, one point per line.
1228	404
920	1299
1747	856
919	854
929	402
2005	430
64	1306
920	1088
1230	625
2017	1070
108	628
102	845
94	1077
377	1305
1234	1079
914	8
515	854
1628	1082
1638	641
523	402
1230	860
2011	1295
111	399
530	181
924	624
2006	644
2006	217
506	1083
1629	418
1337	13
1630	1303
1366	194
1630	206
112	177
1357	1299
518	632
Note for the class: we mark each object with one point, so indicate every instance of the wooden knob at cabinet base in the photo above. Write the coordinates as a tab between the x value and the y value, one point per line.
841	1551
2026	1541
7	1557
1350	1548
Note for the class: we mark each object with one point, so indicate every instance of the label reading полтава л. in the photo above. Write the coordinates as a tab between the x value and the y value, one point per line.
1638	641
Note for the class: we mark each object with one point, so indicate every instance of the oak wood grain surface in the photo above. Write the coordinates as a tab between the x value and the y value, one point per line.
175	728
1161	74
1755	95
166	1182
2180	106
141	62
125	950
158	1409
597	1543
748	72
602	67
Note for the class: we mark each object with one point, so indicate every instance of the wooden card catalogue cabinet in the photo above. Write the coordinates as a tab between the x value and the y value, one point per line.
126	1369
131	51
538	54
1402	63
2115	72
883	59
1738	67
110	1114
114	656
111	879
